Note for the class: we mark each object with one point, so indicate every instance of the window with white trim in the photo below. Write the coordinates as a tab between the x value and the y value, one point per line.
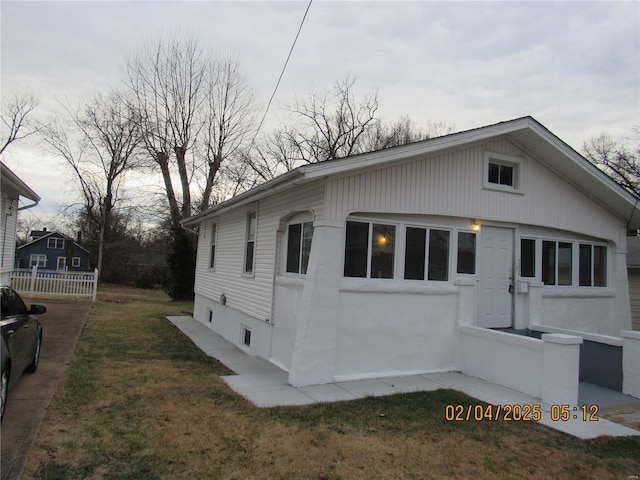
426	254
466	263
250	242
55	243
61	263
369	250
75	262
299	237
557	263
592	265
564	263
502	172
528	257
212	249
38	260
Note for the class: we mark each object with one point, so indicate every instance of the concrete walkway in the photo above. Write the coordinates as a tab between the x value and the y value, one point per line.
266	385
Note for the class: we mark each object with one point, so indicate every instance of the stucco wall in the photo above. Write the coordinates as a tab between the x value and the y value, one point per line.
286	312
394	332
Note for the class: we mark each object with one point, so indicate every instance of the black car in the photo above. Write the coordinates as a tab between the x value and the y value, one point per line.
21	340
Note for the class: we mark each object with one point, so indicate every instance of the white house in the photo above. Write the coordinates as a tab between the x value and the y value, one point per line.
11	189
421	258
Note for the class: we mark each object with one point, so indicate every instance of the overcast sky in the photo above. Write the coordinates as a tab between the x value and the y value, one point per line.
574	66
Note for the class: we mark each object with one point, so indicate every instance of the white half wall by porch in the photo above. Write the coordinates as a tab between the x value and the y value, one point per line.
547	369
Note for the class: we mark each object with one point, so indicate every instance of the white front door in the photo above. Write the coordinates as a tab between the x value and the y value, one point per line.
496	278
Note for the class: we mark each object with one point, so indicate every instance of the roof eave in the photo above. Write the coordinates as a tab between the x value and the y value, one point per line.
16	185
283	181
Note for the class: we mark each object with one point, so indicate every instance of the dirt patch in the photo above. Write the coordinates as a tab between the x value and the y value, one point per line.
627	414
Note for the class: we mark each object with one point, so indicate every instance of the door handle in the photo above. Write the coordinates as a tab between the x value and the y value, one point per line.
511	288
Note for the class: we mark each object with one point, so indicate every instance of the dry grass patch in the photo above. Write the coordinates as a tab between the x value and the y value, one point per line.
140	401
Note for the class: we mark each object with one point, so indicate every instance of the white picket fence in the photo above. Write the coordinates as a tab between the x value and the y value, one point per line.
34	281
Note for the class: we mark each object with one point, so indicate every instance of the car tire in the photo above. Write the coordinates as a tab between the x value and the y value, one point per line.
4	390
33	366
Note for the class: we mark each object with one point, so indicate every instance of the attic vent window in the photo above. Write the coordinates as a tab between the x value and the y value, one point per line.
503	173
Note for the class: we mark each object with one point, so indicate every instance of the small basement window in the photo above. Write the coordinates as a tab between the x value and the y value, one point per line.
246	337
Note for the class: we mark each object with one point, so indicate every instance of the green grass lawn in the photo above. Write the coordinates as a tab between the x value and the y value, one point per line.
140	401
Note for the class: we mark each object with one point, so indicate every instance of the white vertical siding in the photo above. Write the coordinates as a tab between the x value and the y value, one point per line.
452	184
250	294
8	222
634	294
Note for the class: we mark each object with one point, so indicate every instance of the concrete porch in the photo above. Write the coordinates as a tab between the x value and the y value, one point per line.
266	385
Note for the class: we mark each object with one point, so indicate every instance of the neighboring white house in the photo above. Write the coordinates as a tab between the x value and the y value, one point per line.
406	260
11	189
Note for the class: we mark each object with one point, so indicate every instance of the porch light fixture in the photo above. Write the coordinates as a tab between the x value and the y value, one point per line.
475	226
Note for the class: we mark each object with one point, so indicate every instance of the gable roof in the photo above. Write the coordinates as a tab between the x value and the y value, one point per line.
52	234
526	133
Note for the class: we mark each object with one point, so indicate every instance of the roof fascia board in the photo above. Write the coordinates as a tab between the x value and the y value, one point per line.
407	152
594	174
35	240
583	163
15	184
274	185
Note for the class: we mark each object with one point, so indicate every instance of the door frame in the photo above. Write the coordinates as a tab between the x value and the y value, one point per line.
509	265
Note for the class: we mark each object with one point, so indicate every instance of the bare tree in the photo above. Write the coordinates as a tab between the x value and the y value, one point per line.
329	125
617	159
168	81
98	141
386	135
324	126
194	114
16	125
228	122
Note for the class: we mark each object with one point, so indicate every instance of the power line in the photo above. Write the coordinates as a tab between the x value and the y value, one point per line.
281	74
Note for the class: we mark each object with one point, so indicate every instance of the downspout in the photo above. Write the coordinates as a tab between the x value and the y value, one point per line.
6	222
4	231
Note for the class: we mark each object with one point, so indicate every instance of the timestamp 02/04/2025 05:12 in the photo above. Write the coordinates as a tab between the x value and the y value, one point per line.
516	412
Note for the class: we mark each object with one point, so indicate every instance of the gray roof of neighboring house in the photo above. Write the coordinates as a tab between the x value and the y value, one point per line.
633	252
37	238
